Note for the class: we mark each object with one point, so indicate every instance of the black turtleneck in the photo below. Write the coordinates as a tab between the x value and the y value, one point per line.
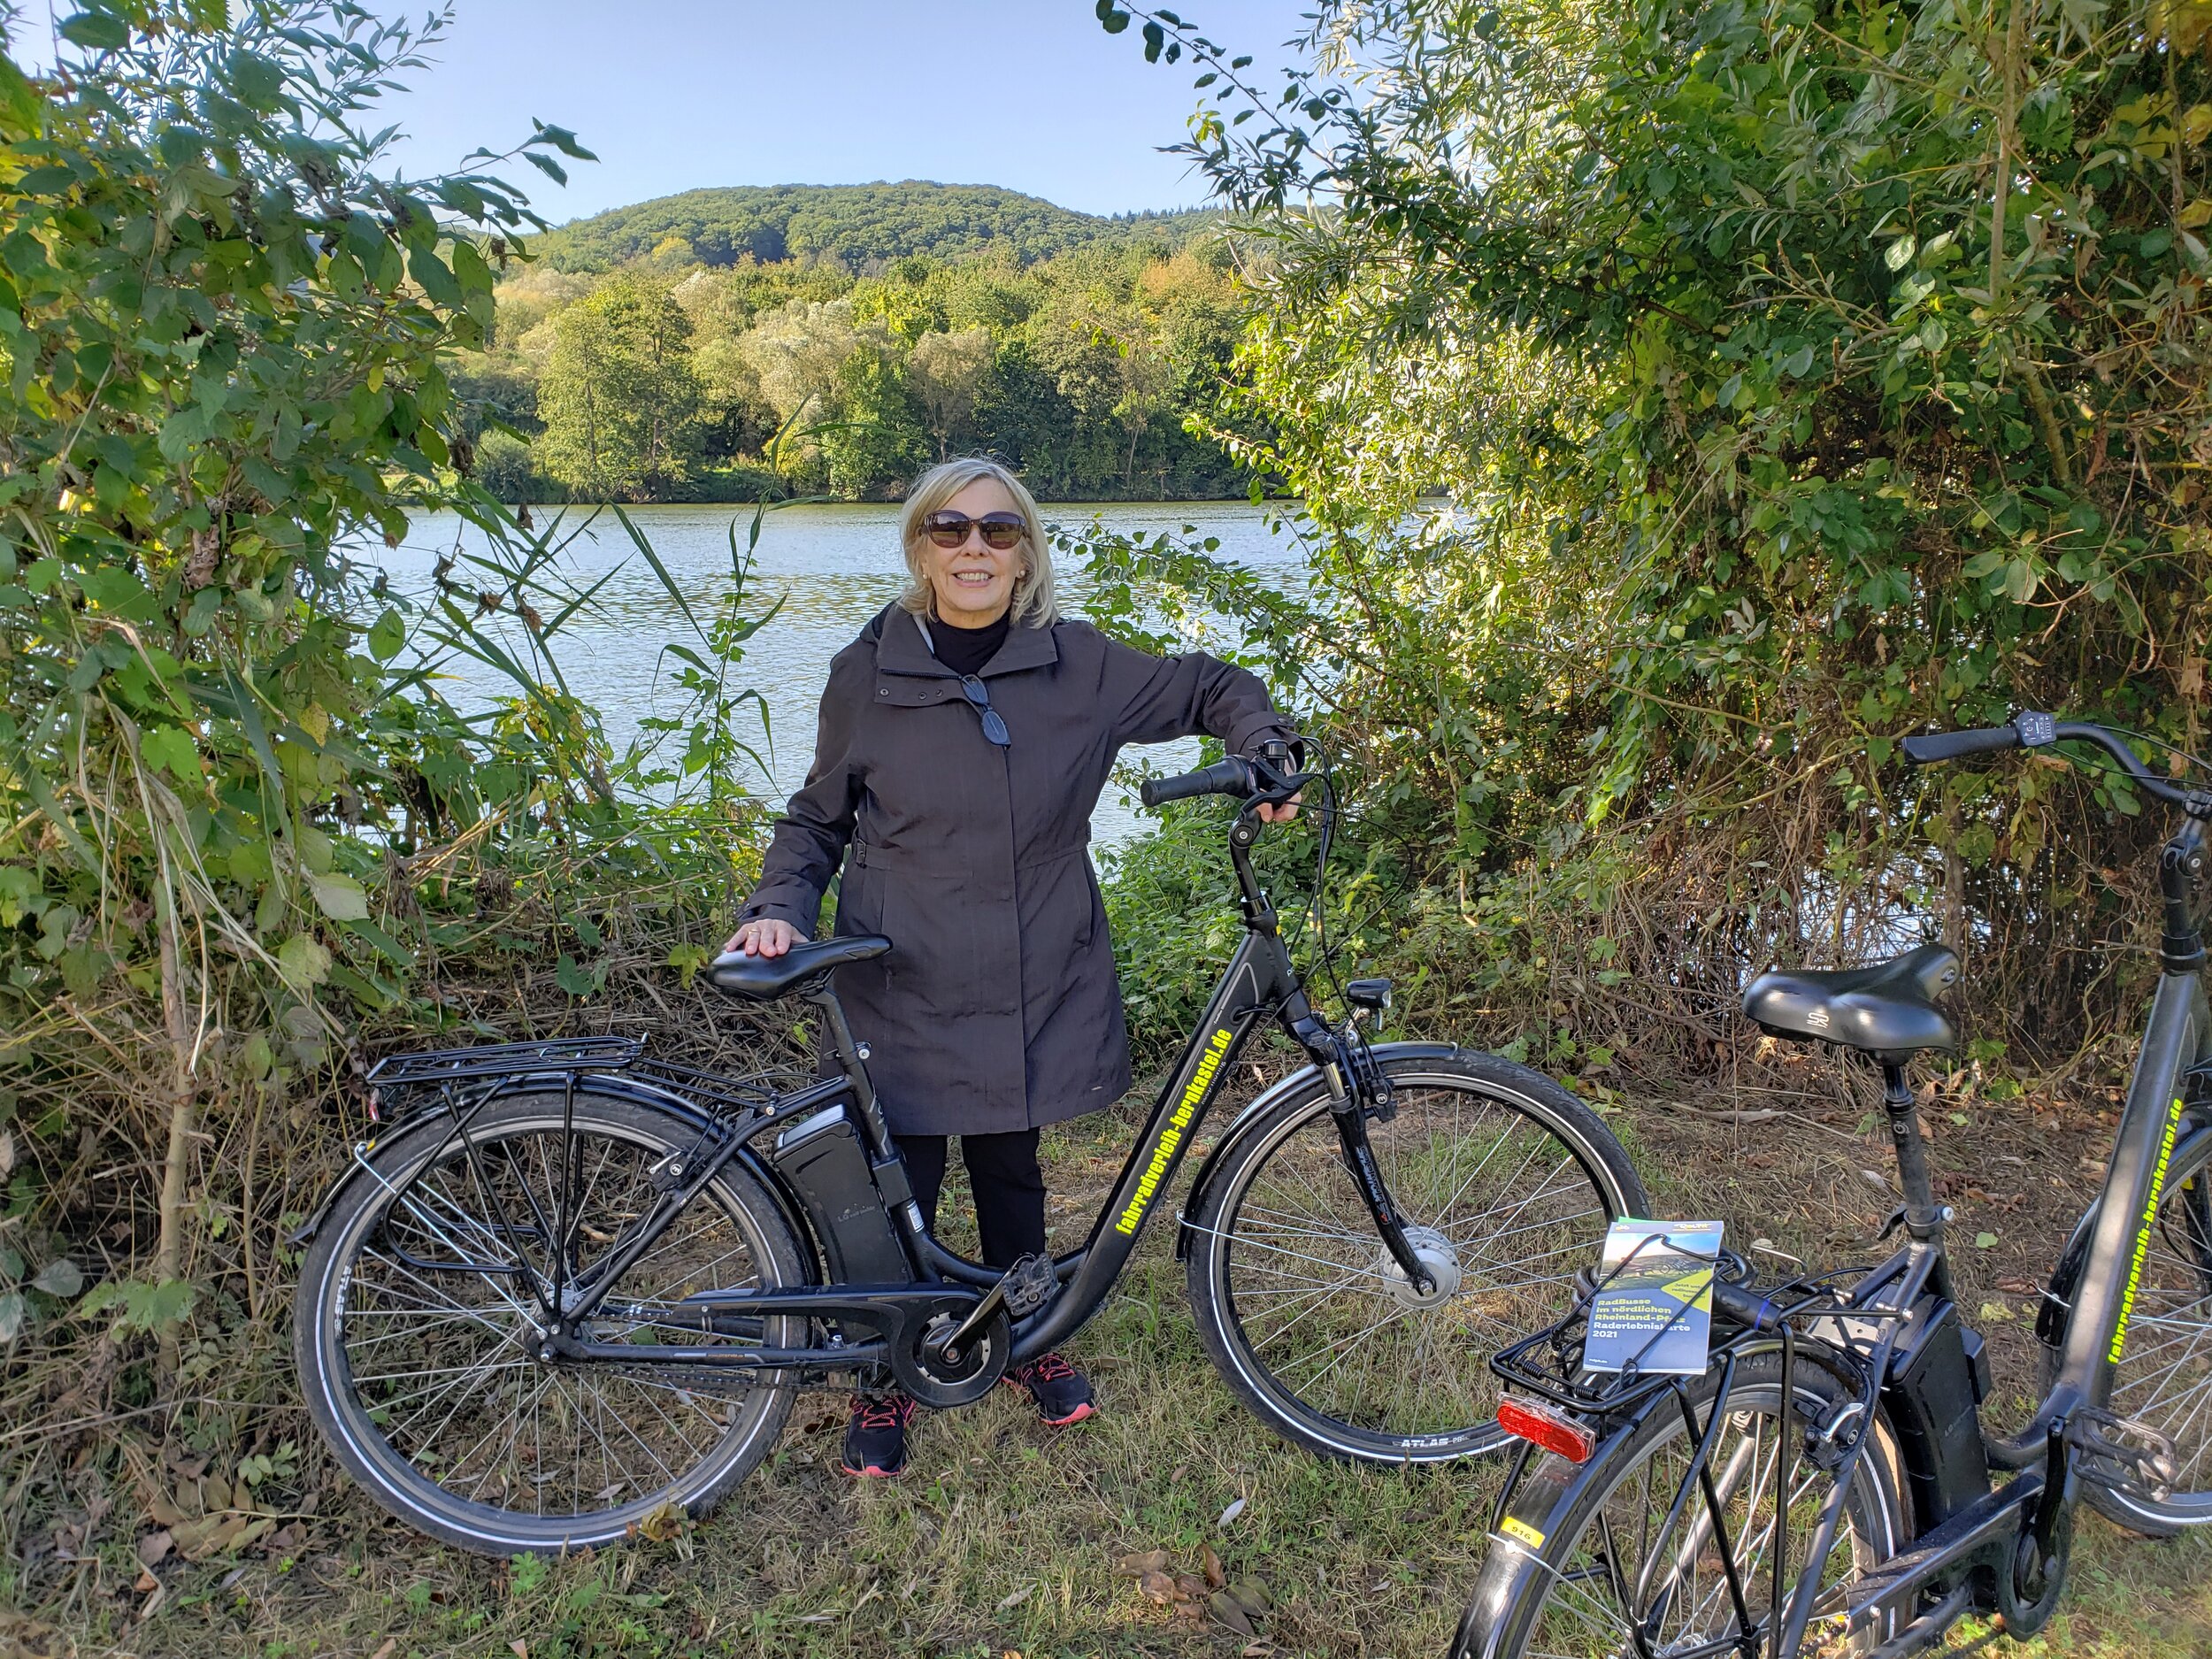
965	650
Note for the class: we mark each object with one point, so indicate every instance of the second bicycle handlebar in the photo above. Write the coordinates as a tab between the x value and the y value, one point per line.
2030	730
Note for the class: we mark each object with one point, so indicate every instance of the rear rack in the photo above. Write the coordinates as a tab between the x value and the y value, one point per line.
442	1066
400	1080
715	1090
1548	1362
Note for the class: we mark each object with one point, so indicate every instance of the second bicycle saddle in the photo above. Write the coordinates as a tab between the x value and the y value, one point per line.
1887	1010
733	973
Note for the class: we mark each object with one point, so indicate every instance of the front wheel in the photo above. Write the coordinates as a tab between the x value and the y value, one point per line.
1506	1184
2164	1378
1586	1564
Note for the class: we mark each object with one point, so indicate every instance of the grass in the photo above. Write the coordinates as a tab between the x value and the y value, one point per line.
1005	1537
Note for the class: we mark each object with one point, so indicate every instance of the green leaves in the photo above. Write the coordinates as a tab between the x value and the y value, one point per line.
339	896
1111	18
577	981
387	635
173	750
98	31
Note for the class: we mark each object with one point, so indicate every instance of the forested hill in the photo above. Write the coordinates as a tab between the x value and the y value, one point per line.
862	226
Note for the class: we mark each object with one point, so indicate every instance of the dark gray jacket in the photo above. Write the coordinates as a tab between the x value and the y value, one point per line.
996	1008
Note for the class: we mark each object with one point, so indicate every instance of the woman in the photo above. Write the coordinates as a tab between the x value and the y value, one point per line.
963	740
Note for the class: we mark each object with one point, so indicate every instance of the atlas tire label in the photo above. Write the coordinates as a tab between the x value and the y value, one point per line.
2143	1232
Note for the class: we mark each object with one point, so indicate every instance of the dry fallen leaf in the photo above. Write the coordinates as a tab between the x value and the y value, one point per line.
1027	1590
1157	1587
666	1522
1188	1588
153	1546
391	1643
1252	1596
1142	1563
1215	1576
1227	1610
519	1648
147	1581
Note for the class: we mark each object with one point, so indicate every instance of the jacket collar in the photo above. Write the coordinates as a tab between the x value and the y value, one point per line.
901	649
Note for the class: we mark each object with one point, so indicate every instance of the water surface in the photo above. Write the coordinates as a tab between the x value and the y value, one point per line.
833	565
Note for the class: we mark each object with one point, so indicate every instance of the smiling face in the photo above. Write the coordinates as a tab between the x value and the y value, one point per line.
973	584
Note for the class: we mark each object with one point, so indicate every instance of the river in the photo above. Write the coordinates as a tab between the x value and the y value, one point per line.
833	565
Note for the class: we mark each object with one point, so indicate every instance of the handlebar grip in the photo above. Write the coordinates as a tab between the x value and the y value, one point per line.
1930	747
1231	776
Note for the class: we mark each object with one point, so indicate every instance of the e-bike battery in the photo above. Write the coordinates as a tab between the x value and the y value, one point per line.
822	1161
1937	1377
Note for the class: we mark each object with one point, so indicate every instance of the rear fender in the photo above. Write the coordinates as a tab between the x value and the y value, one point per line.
1246	1123
635	1090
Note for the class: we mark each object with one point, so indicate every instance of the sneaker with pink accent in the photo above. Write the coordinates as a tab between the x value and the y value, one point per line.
875	1440
1062	1394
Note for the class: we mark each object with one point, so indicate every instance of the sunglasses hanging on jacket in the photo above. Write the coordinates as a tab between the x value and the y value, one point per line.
979	699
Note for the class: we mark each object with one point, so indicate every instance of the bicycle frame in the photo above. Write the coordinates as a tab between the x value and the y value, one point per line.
2005	1550
1260	981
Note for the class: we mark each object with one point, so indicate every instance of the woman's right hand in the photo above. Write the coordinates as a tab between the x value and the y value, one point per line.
763	937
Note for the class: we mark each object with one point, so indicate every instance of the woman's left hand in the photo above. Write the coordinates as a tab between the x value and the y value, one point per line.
1281	814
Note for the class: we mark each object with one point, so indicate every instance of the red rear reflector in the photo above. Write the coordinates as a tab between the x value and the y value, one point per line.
1554	1431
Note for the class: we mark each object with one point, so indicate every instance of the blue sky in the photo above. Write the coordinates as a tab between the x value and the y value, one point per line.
674	94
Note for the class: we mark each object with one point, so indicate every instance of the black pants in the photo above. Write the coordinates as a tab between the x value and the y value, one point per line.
1010	1188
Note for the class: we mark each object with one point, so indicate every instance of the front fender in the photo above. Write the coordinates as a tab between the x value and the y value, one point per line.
637	1090
1274	1094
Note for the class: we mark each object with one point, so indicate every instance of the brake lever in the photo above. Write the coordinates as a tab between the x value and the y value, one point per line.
1281	784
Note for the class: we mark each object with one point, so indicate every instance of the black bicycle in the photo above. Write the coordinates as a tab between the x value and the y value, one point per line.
1827	1485
574	1286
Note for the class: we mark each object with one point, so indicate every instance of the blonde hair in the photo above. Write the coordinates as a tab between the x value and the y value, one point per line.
1036	604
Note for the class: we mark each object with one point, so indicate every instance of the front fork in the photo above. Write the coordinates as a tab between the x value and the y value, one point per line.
1358	1094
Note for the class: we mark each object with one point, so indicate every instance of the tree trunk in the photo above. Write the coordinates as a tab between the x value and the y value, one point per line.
176	1163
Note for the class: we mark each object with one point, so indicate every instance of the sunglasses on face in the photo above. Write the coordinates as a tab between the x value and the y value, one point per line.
1000	530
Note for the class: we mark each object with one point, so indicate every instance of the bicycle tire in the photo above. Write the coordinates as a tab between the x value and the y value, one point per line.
1518	1601
361	1276
1234	1268
2173	1304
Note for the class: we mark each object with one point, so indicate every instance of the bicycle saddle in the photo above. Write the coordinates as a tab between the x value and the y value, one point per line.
733	973
1888	1009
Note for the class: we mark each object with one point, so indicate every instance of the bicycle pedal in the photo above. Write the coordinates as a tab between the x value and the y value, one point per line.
1029	1284
2113	1450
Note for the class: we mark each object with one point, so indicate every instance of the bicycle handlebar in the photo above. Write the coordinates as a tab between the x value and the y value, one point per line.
1233	776
1265	779
2031	730
1931	747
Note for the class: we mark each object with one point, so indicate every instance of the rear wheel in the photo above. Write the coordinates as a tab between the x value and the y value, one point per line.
415	1331
2164	1376
1584	1565
1505	1183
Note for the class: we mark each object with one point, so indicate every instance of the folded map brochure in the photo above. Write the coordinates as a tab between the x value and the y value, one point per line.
1656	1307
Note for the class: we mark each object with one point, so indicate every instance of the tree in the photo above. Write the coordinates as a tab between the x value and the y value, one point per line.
226	330
950	371
876	444
1835	370
620	400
